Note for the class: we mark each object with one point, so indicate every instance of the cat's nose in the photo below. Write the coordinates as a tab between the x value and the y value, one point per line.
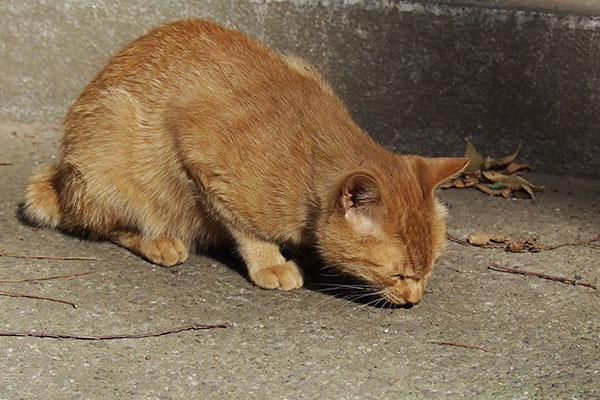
412	297
413	291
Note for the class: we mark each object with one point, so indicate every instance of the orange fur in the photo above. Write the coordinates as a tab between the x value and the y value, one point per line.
194	134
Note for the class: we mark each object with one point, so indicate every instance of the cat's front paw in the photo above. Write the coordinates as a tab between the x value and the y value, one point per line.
286	276
163	250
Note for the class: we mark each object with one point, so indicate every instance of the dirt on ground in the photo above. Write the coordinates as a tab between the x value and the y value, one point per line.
529	337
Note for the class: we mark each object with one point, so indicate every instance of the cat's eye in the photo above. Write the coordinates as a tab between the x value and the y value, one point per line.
404	277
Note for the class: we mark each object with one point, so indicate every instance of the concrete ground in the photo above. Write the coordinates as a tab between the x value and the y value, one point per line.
543	335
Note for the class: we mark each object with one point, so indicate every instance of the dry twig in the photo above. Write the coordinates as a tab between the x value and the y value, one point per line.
577	243
5	163
497	267
45	278
467	346
537	247
55	335
5	254
31	296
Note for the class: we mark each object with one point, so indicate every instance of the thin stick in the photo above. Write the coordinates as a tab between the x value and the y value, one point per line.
577	243
467	346
497	267
55	335
45	278
11	294
586	242
5	254
5	163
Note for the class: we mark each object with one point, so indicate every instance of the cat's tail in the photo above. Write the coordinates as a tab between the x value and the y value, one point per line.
41	207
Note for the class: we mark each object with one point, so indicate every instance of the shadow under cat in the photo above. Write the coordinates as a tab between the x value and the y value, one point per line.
318	276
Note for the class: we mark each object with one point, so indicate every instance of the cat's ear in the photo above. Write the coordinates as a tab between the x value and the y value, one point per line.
361	201
434	171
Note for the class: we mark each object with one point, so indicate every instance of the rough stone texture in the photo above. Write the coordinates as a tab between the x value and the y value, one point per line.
306	343
567	7
419	76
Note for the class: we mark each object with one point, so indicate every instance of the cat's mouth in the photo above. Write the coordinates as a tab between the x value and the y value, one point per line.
406	292
399	291
392	298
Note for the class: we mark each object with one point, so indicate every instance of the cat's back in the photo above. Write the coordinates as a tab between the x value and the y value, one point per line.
176	55
203	88
144	84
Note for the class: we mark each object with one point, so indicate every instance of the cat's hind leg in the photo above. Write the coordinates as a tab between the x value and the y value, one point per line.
266	266
59	197
162	250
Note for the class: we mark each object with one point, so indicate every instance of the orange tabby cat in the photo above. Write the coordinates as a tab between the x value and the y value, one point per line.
194	134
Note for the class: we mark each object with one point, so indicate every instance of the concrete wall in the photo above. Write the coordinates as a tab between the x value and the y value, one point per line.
419	76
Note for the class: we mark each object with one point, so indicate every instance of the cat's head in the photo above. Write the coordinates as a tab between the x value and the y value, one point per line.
387	228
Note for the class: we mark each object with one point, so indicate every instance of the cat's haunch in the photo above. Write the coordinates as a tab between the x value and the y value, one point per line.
194	135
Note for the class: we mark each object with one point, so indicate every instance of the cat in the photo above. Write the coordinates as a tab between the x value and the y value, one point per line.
194	135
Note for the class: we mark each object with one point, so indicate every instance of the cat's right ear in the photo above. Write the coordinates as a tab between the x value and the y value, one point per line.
361	201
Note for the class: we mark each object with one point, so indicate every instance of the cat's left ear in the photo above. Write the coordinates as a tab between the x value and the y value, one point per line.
362	203
434	171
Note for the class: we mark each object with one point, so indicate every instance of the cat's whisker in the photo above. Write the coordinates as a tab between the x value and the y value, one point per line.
375	302
370	294
386	303
352	296
331	300
342	286
372	306
347	293
340	292
330	275
327	268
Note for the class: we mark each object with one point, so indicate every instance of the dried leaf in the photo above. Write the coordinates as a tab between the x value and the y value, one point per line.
516	246
508	159
469	182
514	182
502	177
499	239
494	176
490	163
493	192
482	239
521	246
448	184
515	167
475	160
479	239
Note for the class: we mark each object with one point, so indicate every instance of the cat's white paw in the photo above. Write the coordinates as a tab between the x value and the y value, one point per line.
286	276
